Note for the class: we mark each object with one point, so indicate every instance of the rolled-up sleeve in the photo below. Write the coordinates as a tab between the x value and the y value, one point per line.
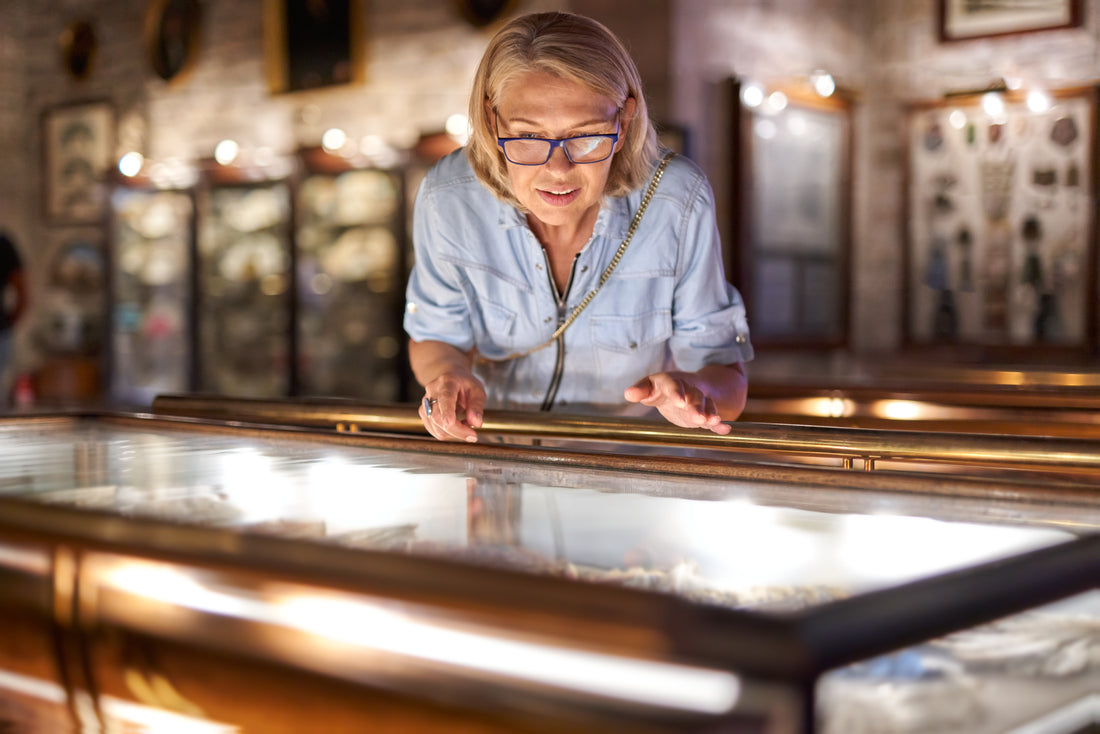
436	308
710	325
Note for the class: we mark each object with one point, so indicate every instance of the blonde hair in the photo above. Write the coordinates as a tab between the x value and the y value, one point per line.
571	47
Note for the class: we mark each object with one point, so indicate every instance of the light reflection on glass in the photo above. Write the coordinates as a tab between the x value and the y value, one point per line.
901	410
381	627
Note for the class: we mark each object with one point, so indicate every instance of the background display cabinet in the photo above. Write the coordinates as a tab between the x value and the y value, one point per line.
350	235
150	293
237	576
245	281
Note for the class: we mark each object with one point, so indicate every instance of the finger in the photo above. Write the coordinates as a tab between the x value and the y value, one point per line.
475	407
639	391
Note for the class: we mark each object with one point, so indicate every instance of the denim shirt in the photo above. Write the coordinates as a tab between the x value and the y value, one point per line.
482	280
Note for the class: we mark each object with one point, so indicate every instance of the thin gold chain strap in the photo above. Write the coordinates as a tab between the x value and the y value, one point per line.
607	271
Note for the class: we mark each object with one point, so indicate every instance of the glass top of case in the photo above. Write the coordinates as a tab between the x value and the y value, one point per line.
713	540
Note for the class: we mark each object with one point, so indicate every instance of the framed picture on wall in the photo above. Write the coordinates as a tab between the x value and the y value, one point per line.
313	44
1001	230
963	19
78	144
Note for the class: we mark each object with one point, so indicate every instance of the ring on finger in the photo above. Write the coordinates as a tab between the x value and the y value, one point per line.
429	403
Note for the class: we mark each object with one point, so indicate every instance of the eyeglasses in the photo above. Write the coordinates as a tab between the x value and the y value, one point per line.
578	149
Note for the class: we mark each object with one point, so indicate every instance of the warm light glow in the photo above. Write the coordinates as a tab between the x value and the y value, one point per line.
226	152
158	720
823	82
993	104
333	139
372	626
826	407
458	127
398	630
752	95
957	119
777	101
1038	101
899	410
130	164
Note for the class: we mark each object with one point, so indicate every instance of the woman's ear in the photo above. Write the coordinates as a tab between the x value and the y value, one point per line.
625	118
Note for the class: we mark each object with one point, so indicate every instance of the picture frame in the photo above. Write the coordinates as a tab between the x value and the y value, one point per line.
313	44
964	19
1000	234
172	37
78	142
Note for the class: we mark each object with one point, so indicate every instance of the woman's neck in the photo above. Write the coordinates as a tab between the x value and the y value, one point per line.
562	243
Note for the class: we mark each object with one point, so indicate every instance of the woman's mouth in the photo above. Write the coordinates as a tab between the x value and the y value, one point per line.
558	197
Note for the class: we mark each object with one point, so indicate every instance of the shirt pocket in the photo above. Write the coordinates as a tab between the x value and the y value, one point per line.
498	330
627	348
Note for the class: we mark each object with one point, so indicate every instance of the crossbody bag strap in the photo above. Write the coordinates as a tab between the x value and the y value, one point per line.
607	271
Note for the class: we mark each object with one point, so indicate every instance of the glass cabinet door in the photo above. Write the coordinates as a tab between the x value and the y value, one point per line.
350	279
150	350
243	300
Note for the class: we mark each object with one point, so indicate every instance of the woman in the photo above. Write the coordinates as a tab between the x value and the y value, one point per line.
515	231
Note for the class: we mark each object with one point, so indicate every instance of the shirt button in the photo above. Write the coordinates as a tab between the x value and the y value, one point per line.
584	269
741	339
633	345
538	266
547	320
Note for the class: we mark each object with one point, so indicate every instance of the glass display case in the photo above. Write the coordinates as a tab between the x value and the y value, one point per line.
244	289
151	282
351	275
250	577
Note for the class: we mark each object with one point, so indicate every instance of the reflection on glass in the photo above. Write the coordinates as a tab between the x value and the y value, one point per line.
607	528
407	631
244	273
999	677
150	292
350	282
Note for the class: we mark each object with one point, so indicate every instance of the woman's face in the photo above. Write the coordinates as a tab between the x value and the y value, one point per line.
541	105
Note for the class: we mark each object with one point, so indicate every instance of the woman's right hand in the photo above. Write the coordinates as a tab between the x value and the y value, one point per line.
452	407
454	398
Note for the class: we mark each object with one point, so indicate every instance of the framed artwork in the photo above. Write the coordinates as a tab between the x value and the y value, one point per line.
78	146
964	19
793	184
1001	232
481	13
172	36
313	44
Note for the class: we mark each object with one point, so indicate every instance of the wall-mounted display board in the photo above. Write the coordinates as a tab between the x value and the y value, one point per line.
1001	230
792	181
152	232
350	232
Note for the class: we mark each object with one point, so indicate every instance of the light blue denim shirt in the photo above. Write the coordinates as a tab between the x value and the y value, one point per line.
481	279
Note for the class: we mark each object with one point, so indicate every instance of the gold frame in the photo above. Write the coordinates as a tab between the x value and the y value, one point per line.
281	58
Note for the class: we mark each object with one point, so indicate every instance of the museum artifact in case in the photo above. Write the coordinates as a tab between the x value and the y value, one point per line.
249	577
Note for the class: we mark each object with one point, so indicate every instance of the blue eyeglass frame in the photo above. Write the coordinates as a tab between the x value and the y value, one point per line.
560	143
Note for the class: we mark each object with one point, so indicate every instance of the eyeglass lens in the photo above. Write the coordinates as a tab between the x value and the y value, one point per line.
586	149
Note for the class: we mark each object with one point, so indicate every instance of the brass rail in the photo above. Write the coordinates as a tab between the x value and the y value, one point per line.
870	446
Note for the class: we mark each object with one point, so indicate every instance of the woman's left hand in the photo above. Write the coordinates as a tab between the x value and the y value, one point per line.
700	399
678	400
